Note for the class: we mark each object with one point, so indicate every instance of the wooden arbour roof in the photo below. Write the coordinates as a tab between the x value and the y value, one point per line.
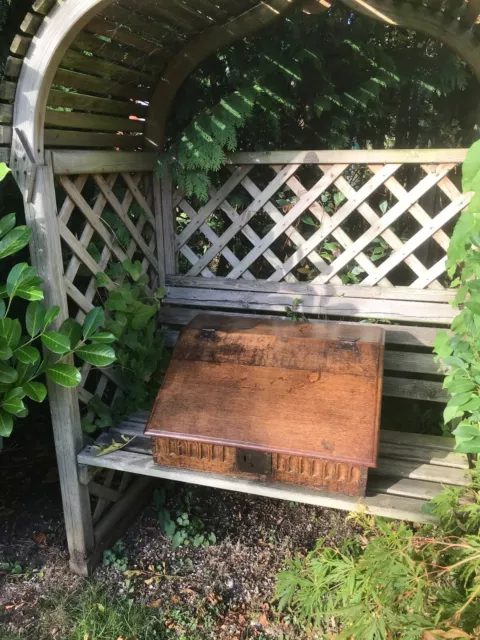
126	59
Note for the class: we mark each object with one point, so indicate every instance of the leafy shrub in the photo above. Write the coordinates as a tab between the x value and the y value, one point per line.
130	308
461	353
393	583
22	366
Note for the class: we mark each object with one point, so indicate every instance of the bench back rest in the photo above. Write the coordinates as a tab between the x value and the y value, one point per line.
336	235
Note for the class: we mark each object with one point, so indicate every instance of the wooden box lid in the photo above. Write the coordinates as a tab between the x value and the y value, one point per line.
307	389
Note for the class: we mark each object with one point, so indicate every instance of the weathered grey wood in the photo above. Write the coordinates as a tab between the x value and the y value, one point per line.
47	257
168	224
419	471
344	307
379	504
133	500
414	389
367	156
408	294
90	162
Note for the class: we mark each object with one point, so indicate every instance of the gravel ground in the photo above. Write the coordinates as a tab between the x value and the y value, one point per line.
232	581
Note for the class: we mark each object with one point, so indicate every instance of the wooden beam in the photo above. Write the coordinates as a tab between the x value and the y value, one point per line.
198	50
52	40
361	156
88	162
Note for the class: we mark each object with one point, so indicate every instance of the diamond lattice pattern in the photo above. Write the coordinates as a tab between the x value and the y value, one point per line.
103	219
374	225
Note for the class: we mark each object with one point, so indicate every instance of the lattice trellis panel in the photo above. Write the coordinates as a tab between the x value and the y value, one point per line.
103	219
375	225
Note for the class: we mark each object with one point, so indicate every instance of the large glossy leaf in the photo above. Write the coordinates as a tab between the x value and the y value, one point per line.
6	424
36	391
35	318
10	331
13	404
8	375
56	342
64	375
73	330
143	315
3	308
27	354
93	320
100	355
15	276
7	223
14	241
471	168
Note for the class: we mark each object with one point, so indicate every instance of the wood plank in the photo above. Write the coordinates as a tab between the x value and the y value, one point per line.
427	472
398	310
404	487
13	66
92	65
367	156
101	86
412	362
89	162
6	113
395	334
380	504
91	122
87	139
101	25
304	288
7	90
20	45
414	389
93	104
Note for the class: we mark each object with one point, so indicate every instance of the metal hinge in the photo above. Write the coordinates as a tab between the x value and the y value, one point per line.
348	344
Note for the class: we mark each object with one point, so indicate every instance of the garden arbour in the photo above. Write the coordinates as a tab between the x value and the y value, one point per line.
72	180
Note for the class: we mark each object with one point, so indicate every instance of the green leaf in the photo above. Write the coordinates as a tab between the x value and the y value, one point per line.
94	319
103	338
6	424
35	318
3	308
11	332
452	412
73	330
460	399
7	223
8	375
5	351
453	361
160	293
65	375
102	280
467	430
473	306
442	344
14	241
134	269
178	539
36	391
27	354
460	386
13	405
15	276
50	316
142	315
97	354
56	342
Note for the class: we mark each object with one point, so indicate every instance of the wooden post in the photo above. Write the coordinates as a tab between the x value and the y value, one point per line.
168	226
46	252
